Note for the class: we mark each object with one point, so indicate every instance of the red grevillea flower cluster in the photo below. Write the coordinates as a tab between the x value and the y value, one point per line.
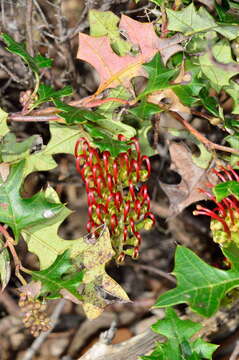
225	216
113	196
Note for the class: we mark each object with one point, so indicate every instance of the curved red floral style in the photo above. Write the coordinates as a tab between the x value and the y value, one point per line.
226	212
113	197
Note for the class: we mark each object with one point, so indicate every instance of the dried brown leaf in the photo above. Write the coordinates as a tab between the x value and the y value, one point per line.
193	178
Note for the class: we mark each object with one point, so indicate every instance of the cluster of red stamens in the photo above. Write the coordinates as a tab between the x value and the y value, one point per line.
225	215
113	198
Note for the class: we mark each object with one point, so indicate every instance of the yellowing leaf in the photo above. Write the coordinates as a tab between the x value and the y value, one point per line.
90	253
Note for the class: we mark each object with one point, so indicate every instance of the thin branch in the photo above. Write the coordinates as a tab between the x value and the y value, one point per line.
209	144
39	341
10	73
156	271
29	27
10	244
29	118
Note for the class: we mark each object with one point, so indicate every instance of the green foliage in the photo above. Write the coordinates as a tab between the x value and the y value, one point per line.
179	345
10	150
199	284
225	189
159	76
105	141
34	63
73	115
20	213
47	93
182	69
57	278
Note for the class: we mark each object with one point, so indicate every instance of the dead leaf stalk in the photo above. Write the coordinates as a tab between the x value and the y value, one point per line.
209	144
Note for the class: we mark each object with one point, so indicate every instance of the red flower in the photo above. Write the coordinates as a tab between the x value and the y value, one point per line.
226	212
112	195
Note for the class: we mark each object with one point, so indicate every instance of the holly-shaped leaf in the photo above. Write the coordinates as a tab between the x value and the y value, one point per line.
218	76
158	74
47	93
20	213
11	150
117	70
63	139
179	344
56	278
193	177
91	252
73	115
35	63
105	141
189	22
200	285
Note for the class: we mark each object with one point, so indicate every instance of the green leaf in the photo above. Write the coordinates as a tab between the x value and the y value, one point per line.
10	150
233	91
73	115
5	266
106	142
3	123
189	21
20	213
47	93
63	139
159	76
157	2
145	147
42	61
199	284
35	63
108	108
218	76
224	16
105	23
210	102
179	346
225	189
53	281
91	252
145	110
233	140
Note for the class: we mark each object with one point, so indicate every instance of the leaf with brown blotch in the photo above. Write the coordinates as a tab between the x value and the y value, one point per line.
115	70
193	178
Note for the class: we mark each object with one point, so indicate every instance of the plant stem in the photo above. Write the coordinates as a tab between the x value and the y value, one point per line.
209	144
10	244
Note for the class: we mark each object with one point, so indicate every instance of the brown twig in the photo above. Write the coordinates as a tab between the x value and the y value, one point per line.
29	28
10	244
209	144
29	118
156	271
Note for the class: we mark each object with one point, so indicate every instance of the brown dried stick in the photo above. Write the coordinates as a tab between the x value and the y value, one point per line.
29	27
209	144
